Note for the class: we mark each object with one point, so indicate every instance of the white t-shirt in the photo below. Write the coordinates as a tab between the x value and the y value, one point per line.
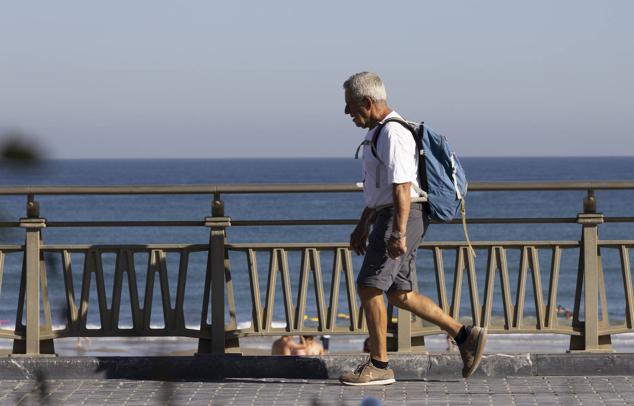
397	149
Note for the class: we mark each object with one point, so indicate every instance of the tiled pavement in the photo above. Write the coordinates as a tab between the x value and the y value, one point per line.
550	390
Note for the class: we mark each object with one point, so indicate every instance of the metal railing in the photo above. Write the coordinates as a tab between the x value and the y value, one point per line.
219	332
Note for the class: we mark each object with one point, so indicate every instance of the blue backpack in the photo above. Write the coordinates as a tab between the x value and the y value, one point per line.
441	174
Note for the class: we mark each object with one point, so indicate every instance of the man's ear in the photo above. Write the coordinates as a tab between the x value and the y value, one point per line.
367	102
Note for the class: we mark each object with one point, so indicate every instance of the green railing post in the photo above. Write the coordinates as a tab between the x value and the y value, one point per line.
33	225
403	342
215	280
404	331
590	271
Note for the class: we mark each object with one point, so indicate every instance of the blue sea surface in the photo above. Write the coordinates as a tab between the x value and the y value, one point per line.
298	206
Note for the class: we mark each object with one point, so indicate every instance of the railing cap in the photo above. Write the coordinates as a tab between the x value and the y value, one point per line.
295	188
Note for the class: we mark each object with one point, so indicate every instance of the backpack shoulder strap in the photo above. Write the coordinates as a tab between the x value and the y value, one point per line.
422	167
375	137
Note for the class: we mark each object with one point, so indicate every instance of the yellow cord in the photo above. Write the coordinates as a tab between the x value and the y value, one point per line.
464	225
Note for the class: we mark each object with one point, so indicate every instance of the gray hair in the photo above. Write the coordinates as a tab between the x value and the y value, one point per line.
365	84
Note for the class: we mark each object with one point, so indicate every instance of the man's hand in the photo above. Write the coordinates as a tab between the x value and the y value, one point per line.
359	238
402	201
396	248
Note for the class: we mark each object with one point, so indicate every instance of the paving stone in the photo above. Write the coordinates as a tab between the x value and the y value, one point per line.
577	390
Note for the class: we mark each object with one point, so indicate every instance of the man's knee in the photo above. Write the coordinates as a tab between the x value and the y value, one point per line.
399	298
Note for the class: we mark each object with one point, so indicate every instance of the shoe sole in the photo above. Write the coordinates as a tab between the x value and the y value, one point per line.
371	383
482	339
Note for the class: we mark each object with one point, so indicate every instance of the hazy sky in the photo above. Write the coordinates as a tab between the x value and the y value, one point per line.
122	79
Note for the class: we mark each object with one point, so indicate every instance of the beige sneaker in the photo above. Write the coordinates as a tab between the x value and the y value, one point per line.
367	374
471	350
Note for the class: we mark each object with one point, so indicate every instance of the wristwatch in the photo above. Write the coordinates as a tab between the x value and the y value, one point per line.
396	235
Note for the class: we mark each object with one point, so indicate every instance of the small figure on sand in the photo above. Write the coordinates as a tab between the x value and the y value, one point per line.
312	347
285	345
564	312
307	345
82	344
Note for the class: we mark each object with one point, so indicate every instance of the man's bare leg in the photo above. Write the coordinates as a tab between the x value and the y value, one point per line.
472	339
424	307
376	318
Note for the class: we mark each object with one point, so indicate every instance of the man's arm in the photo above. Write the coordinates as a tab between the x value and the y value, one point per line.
402	203
297	346
359	237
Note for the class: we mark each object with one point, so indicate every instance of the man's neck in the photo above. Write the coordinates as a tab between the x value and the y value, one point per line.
378	114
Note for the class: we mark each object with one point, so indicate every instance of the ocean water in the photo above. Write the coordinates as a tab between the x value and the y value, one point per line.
298	206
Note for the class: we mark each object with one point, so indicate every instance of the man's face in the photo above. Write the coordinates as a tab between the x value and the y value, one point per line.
359	110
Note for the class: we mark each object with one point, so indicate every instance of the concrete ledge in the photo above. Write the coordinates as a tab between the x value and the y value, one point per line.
215	367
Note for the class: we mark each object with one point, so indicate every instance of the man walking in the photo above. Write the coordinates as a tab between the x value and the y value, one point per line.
391	227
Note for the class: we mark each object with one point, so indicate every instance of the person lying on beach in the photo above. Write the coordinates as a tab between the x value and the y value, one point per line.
79	344
286	346
312	347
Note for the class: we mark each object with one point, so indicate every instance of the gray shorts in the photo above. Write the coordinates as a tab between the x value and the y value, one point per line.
378	269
